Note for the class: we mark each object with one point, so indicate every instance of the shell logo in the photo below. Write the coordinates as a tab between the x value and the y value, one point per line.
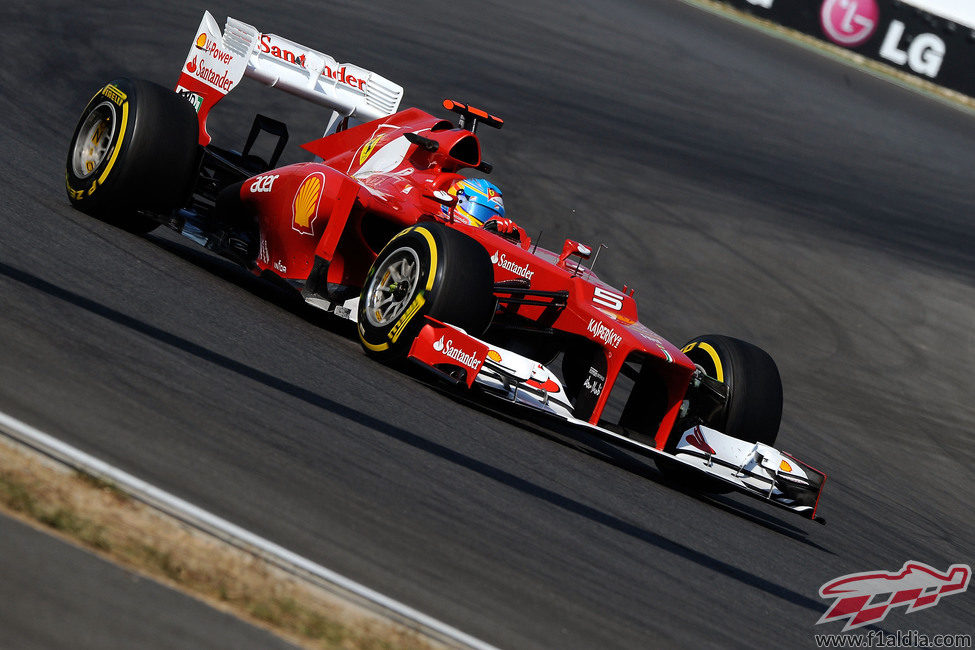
305	206
201	41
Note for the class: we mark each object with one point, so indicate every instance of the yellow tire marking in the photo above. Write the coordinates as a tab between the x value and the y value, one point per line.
417	302
718	370
374	348
433	256
118	144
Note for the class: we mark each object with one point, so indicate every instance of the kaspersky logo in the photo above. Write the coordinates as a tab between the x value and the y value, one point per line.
601	332
864	598
448	350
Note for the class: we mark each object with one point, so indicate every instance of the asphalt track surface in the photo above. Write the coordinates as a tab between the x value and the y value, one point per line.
743	185
88	602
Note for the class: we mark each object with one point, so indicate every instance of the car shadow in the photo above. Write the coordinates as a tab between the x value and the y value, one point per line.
268	286
581	440
273	289
503	478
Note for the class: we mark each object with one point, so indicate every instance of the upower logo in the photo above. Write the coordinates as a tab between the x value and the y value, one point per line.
849	22
864	598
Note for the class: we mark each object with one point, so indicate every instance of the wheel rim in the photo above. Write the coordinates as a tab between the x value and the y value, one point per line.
392	287
94	140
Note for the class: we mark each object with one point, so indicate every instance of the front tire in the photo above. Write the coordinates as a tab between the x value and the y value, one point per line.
135	149
428	269
752	410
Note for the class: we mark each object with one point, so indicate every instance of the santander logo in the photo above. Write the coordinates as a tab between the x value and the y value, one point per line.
849	22
500	260
448	350
278	48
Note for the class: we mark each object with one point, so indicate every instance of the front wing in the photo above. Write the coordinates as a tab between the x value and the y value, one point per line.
755	469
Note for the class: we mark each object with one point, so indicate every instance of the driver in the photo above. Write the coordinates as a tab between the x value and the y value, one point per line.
478	201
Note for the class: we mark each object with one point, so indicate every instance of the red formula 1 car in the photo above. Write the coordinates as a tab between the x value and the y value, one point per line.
375	231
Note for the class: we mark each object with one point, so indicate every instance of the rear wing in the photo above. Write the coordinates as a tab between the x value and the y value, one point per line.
217	62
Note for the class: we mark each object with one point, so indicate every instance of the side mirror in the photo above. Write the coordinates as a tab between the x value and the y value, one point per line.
574	248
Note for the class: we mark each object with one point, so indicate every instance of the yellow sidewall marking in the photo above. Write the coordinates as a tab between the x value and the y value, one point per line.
418	302
718	370
118	143
433	256
374	348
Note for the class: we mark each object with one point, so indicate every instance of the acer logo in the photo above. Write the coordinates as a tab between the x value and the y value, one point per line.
603	333
448	350
500	260
264	183
864	598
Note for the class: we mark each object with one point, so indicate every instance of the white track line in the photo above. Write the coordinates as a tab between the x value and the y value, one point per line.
235	535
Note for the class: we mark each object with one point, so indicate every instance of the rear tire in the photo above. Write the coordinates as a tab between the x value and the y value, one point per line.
135	148
428	269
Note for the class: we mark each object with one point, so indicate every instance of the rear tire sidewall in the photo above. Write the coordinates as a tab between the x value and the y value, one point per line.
150	160
455	286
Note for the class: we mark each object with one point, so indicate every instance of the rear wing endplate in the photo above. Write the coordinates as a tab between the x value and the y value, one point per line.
217	62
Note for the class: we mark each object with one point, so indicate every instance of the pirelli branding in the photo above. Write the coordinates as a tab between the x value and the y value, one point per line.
114	94
407	316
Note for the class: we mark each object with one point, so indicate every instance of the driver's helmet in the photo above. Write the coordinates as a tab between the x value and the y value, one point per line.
477	201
